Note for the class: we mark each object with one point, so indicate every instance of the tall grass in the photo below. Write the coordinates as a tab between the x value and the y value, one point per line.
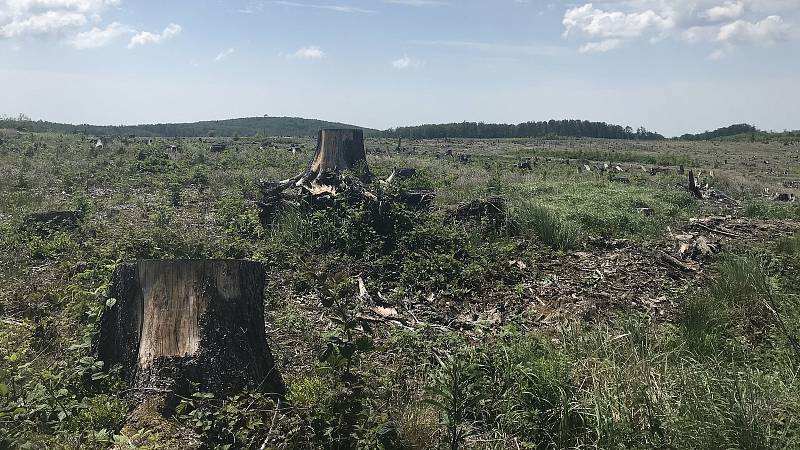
642	387
547	226
724	376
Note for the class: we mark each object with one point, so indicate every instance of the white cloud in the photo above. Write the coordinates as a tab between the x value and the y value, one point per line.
42	17
602	46
766	32
224	54
597	23
402	63
726	11
406	62
310	52
100	37
146	37
608	24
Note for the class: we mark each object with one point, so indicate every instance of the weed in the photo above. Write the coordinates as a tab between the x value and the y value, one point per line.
454	393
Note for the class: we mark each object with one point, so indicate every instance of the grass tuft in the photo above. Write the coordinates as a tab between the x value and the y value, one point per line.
546	225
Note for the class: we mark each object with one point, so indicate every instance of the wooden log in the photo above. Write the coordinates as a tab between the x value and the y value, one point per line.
174	323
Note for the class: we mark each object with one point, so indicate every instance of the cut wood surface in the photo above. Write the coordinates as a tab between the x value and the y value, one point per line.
191	321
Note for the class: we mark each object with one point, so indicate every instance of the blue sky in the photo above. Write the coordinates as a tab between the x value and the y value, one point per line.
672	66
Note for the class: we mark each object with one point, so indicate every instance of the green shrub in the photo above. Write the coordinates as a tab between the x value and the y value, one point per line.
790	245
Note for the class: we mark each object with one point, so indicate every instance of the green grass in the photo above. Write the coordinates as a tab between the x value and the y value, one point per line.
718	371
549	228
766	209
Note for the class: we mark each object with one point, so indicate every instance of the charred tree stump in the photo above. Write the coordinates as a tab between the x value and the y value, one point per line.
694	187
181	322
337	150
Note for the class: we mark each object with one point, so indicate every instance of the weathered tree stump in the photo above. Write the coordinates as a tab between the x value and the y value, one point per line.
194	321
337	150
694	187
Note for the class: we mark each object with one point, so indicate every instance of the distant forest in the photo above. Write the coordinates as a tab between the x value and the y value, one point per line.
567	128
252	126
732	130
295	126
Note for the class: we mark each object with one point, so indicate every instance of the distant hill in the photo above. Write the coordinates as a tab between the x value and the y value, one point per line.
744	133
565	128
732	130
251	126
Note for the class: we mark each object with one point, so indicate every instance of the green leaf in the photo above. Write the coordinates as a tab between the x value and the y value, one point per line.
364	344
111	302
348	350
180	408
3	390
327	353
366	326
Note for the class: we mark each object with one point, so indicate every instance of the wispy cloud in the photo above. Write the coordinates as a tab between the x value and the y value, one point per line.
100	37
496	48
224	54
252	8
337	8
406	62
146	37
310	52
417	2
601	47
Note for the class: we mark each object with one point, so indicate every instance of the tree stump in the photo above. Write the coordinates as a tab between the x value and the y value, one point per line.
194	321
494	210
337	150
694	188
54	219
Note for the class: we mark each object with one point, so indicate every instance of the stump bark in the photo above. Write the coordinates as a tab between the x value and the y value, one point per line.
175	323
694	187
337	150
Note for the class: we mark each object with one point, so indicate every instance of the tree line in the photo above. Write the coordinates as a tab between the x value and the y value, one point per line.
251	126
566	128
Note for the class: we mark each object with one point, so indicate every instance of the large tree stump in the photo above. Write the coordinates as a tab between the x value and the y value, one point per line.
337	150
181	322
